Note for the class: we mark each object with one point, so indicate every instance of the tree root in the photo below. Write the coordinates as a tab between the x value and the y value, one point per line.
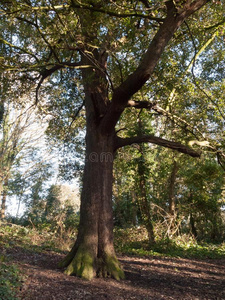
82	265
110	267
85	265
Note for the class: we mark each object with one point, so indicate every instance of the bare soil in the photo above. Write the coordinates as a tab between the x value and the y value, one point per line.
146	278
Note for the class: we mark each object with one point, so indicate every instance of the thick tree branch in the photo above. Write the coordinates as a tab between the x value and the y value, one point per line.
141	104
121	142
138	78
96	8
48	72
44	74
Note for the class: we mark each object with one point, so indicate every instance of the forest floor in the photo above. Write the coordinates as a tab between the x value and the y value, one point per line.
146	278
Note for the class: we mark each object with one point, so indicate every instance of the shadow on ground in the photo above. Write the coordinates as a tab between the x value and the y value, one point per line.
146	278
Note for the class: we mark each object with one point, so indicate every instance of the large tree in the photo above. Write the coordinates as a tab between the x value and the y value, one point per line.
112	48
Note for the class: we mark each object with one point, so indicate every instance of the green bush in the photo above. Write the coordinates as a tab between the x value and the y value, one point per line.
10	281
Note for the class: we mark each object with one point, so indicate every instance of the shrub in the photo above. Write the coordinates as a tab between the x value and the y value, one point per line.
10	280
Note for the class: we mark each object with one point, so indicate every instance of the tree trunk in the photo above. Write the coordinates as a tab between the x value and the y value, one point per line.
192	224
93	253
18	208
146	209
3	193
3	206
1	202
134	208
143	202
172	207
119	219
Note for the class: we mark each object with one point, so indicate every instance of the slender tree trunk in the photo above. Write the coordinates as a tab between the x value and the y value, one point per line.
143	201
172	205
134	208
117	198
18	208
3	193
145	207
192	224
215	232
3	206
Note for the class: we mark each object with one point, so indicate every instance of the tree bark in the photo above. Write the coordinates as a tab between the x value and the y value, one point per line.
144	205
134	208
3	206
93	253
121	142
192	224
1	202
3	193
172	205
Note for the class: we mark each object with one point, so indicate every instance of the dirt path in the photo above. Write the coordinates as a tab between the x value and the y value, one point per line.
146	278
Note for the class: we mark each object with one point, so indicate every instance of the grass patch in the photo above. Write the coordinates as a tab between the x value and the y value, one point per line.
189	249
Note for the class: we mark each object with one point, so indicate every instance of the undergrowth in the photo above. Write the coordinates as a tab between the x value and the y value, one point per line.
33	239
134	241
131	241
10	280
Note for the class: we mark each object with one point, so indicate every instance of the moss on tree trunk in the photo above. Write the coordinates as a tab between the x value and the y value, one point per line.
86	265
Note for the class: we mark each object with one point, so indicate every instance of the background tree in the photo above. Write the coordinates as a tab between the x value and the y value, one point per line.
18	139
53	208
